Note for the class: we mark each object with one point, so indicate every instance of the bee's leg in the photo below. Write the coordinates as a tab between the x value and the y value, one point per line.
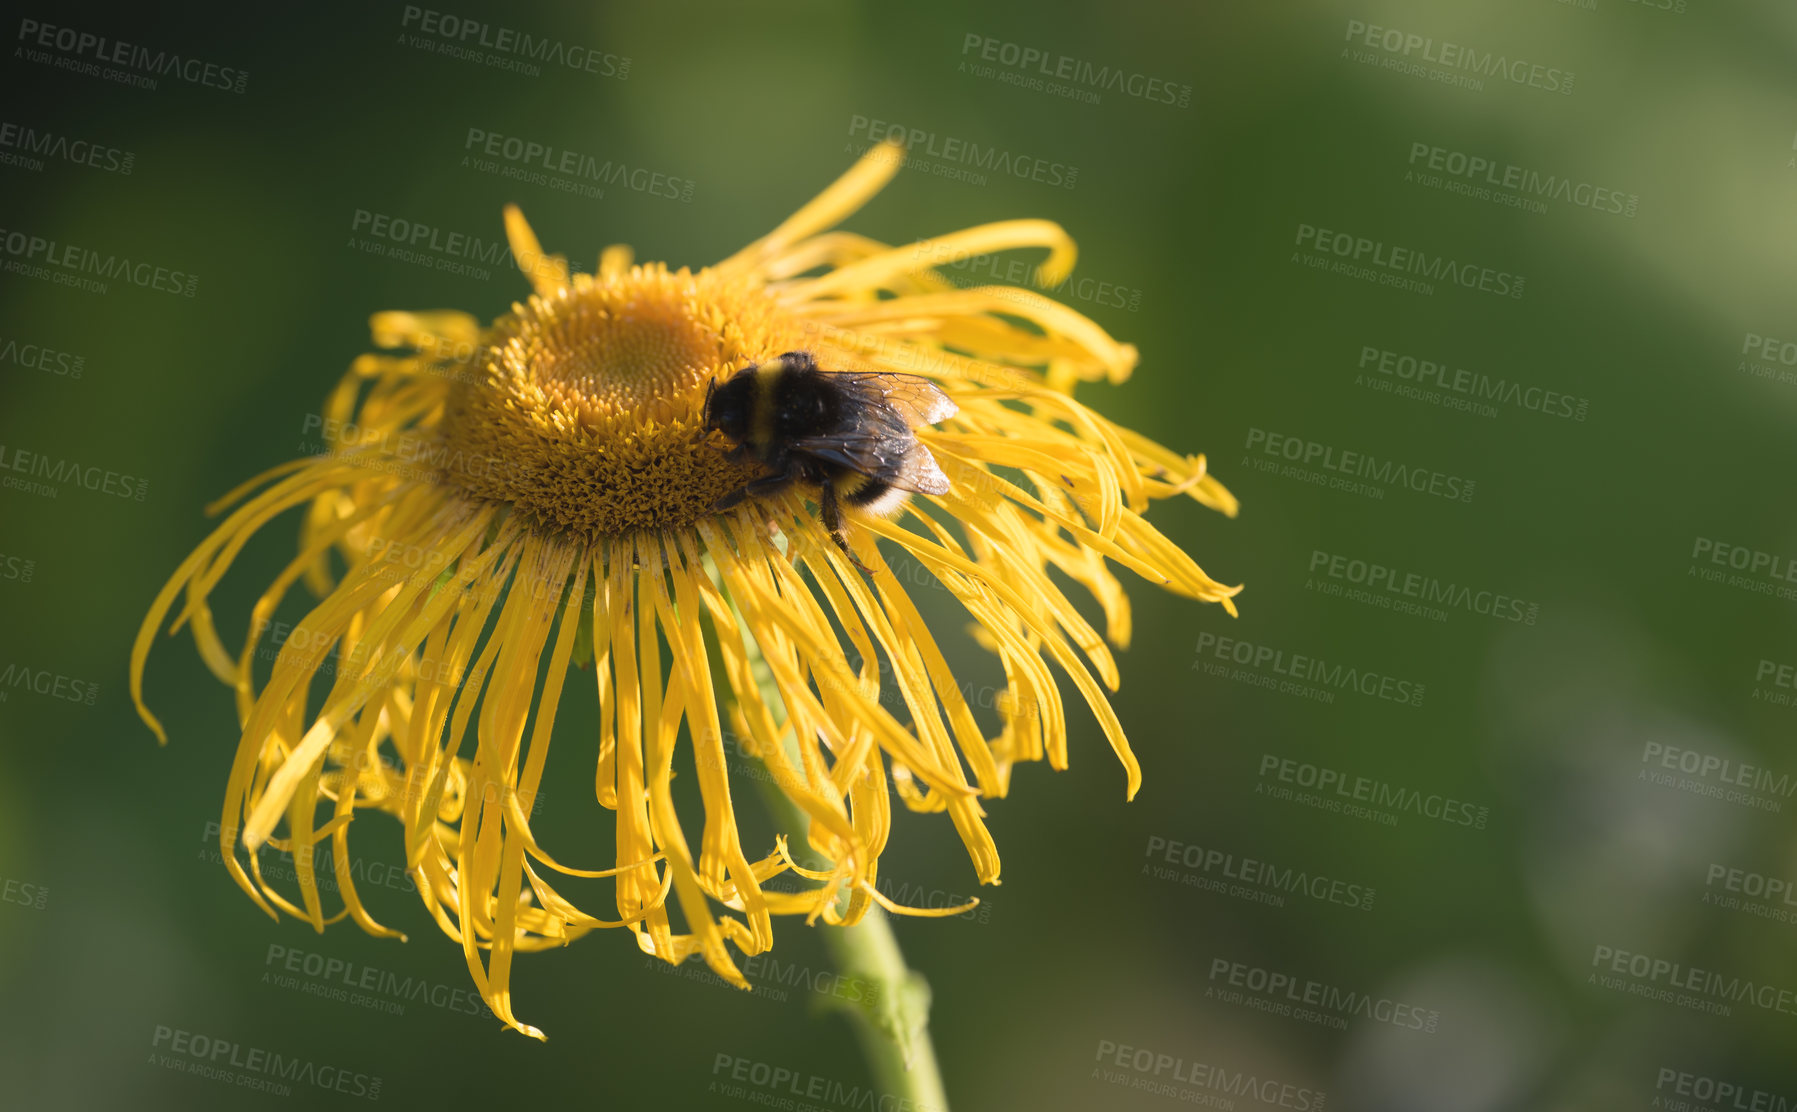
830	508
831	511
756	488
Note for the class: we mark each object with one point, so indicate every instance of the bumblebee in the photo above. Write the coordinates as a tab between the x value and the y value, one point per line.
848	434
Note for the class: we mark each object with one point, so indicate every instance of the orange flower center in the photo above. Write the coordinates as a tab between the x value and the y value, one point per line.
585	408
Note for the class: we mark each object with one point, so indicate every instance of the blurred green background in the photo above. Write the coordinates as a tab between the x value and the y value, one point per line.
1110	935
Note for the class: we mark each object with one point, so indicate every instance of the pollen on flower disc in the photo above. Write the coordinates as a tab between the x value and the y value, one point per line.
585	408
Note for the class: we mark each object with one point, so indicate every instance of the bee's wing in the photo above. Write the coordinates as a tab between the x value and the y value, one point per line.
918	400
895	459
919	473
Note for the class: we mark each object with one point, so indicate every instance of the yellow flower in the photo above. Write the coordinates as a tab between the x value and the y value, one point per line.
542	491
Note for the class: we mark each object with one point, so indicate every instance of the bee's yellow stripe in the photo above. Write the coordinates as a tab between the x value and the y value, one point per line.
761	423
851	482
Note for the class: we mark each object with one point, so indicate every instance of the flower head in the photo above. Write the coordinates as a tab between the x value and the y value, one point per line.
497	503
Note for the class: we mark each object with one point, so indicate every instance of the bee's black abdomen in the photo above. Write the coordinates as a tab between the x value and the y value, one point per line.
876	496
868	492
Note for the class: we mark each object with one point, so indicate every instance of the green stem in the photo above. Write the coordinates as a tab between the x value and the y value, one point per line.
895	1031
892	1020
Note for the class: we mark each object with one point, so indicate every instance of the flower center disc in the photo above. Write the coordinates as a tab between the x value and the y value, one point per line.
585	411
